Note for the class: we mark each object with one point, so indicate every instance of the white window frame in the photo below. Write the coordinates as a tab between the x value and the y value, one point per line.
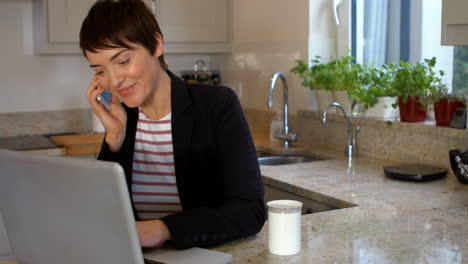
343	29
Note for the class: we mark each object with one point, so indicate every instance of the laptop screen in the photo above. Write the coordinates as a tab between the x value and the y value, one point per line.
70	210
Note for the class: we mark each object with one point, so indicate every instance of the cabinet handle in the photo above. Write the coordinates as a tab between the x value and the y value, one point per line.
336	4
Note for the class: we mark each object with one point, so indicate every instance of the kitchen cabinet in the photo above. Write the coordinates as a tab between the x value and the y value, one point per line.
57	25
454	22
195	26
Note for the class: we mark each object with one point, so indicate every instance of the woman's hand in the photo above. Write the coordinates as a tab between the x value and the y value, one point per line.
152	233
114	121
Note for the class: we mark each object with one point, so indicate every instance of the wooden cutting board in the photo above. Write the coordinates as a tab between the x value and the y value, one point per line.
79	144
8	262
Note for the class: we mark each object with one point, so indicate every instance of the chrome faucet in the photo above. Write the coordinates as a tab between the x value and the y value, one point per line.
351	147
285	135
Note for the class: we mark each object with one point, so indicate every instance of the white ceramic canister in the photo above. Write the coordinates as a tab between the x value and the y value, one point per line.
284	227
384	109
344	100
324	99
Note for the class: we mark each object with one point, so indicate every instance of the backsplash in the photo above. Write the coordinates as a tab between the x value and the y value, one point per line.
47	122
405	142
398	141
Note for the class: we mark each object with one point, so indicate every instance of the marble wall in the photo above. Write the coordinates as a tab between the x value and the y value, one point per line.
44	122
398	141
267	36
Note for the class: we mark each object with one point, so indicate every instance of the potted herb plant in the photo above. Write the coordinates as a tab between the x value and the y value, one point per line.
331	81
319	78
414	85
346	79
445	104
374	97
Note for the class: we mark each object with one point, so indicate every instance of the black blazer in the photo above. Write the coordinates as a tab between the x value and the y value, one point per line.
217	172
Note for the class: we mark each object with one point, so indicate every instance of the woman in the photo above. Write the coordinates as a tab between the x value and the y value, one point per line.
186	149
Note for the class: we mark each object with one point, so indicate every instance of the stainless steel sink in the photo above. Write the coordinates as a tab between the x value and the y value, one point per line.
265	154
284	160
266	158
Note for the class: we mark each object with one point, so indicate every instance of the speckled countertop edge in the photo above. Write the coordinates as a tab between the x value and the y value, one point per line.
393	222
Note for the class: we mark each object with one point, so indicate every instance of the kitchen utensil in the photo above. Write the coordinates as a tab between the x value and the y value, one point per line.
201	74
414	172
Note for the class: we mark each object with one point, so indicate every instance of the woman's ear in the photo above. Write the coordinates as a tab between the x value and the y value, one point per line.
158	51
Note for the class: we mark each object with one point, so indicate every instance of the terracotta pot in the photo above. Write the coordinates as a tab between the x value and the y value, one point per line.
444	110
412	110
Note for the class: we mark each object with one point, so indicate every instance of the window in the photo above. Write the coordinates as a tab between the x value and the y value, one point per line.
460	70
387	31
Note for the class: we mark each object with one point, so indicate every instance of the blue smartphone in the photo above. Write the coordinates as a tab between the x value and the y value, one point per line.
105	99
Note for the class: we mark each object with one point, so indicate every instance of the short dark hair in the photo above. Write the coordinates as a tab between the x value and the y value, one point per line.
114	23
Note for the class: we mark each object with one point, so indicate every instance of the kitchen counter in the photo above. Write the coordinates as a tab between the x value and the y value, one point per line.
71	144
393	222
26	143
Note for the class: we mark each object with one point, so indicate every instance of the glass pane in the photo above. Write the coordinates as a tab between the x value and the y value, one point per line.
460	70
389	31
376	31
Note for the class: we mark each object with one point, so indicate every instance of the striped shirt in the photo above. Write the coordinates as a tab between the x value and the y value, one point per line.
154	188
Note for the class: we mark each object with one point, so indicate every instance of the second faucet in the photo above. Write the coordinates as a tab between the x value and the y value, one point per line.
351	147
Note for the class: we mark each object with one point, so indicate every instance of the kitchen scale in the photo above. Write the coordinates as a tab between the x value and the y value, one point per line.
414	172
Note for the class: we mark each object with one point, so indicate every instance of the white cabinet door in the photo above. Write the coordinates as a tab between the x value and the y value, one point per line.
65	18
193	20
57	25
454	22
189	26
193	26
342	17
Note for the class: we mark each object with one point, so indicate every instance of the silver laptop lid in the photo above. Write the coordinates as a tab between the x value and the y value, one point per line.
67	210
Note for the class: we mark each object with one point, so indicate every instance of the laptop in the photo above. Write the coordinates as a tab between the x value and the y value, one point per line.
70	210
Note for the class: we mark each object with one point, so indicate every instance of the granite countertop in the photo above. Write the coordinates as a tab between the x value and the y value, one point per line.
69	143
31	142
393	222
